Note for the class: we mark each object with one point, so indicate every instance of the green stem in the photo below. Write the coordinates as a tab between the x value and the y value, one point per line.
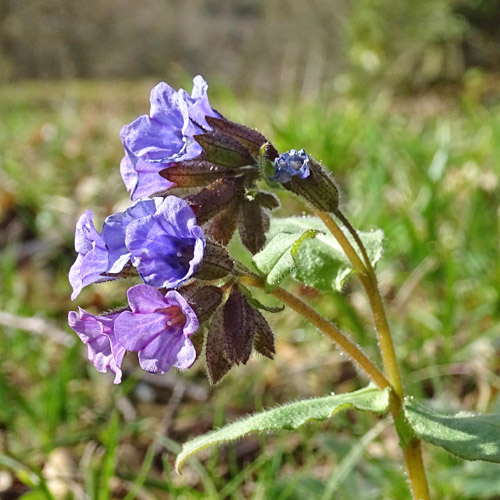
326	327
412	453
369	282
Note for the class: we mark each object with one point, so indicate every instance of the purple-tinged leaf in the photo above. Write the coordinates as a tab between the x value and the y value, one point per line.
196	173
239	327
223	150
217	364
247	137
222	226
214	198
253	223
263	341
216	263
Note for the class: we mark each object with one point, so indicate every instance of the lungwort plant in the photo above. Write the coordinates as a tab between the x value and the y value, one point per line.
195	178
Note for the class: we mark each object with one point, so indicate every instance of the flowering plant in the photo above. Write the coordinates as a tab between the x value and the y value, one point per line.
195	178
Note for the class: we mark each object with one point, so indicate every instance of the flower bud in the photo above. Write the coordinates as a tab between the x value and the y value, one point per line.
318	187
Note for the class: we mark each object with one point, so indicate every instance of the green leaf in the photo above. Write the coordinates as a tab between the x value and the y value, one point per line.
277	259
318	262
289	417
472	437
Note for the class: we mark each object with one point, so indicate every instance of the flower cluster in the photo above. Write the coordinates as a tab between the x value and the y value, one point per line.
193	178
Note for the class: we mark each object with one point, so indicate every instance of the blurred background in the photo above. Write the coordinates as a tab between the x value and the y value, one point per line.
400	99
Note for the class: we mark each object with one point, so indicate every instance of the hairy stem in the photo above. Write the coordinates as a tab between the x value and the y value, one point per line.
325	327
412	453
416	472
369	282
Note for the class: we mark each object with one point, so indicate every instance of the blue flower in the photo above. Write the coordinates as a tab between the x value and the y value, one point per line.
92	259
166	247
97	332
160	237
106	252
158	328
165	136
290	164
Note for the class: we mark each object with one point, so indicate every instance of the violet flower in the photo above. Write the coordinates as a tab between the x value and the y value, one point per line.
158	236
155	141
158	328
291	163
92	259
97	333
106	252
166	247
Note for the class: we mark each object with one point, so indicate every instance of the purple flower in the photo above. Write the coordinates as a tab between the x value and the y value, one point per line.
158	236
92	259
106	253
155	141
158	328
167	246
97	332
291	163
114	230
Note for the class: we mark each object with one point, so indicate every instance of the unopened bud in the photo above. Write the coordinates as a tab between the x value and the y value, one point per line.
318	187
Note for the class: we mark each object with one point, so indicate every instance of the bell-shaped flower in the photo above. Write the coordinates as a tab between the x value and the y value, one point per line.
92	259
97	332
100	256
165	136
166	247
158	328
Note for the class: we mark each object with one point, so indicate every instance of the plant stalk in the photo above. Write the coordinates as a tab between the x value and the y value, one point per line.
413	452
369	282
325	327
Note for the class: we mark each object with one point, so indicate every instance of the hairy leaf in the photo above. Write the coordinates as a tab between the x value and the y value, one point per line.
253	223
239	327
196	173
216	262
203	299
320	262
214	198
289	417
473	437
223	150
222	226
277	259
263	341
217	364
248	138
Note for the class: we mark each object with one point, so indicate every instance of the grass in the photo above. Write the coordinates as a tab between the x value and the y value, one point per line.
424	169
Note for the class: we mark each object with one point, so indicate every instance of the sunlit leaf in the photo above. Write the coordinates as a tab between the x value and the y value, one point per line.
289	417
277	259
318	262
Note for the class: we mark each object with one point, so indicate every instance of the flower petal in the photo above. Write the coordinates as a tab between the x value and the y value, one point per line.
134	331
175	298
145	299
165	351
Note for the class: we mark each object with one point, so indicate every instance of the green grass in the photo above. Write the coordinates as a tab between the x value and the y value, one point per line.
423	169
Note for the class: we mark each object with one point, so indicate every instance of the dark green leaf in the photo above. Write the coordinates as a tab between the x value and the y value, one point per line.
472	437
